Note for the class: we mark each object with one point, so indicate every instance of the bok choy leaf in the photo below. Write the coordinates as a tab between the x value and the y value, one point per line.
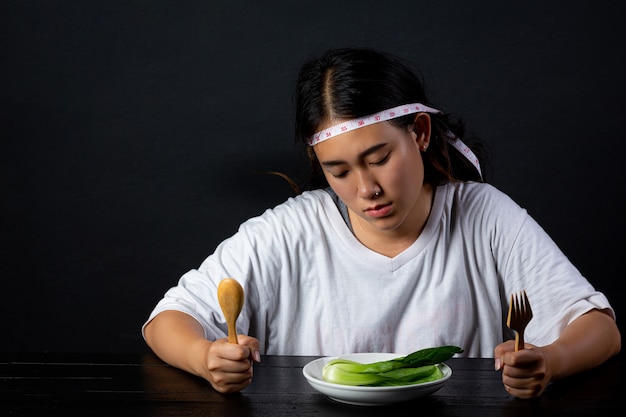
417	367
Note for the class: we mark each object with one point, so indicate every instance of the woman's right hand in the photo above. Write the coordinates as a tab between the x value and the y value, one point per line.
229	366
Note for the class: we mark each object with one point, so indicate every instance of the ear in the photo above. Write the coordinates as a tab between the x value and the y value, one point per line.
421	128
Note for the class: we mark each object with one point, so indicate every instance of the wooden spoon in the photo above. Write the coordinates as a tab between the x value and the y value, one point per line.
230	297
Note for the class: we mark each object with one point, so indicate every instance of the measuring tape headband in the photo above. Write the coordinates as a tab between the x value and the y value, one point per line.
381	116
389	114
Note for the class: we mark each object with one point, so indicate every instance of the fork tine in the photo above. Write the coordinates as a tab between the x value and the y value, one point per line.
510	315
519	315
527	309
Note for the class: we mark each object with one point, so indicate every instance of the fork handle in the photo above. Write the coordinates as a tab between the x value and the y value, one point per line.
519	341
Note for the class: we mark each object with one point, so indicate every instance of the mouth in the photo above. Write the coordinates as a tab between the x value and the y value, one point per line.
378	211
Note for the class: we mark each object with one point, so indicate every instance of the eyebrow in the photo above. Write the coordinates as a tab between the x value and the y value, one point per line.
363	154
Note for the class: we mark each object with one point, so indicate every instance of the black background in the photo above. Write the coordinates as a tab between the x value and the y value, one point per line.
133	134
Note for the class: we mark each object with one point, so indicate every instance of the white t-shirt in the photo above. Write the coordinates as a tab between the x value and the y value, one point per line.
311	288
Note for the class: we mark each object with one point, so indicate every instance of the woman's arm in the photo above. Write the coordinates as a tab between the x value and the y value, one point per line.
587	342
178	339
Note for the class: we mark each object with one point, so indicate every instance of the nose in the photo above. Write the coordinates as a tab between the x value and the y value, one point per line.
366	185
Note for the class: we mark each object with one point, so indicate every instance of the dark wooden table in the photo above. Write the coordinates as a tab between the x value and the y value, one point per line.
47	384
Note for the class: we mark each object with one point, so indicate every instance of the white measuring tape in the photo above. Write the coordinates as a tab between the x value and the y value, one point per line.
465	151
385	115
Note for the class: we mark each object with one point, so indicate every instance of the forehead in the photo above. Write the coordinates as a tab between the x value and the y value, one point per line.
353	143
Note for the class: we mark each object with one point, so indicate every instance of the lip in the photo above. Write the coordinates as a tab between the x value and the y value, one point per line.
379	211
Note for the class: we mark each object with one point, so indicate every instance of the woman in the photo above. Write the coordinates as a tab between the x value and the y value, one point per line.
399	245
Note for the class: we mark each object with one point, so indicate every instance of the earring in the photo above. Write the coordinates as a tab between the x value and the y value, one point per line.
423	148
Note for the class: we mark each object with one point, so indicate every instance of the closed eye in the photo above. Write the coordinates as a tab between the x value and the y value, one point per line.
340	175
381	161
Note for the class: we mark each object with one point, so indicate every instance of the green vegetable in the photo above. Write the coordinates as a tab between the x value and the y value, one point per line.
419	366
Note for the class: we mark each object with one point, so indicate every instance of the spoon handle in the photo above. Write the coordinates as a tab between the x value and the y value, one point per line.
232	333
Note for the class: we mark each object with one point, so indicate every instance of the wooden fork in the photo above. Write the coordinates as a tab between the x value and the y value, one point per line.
520	314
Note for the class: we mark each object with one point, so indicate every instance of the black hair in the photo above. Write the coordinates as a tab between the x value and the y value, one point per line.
348	83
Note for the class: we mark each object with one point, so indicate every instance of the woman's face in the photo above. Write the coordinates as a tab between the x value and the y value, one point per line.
384	158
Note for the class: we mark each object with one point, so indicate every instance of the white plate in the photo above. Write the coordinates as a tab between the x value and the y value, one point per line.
357	395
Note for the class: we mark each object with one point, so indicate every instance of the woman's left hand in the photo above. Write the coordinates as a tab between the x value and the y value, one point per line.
525	372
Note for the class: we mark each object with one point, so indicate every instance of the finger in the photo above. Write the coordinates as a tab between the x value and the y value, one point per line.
235	352
523	387
524	393
499	351
233	376
253	345
502	348
225	386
